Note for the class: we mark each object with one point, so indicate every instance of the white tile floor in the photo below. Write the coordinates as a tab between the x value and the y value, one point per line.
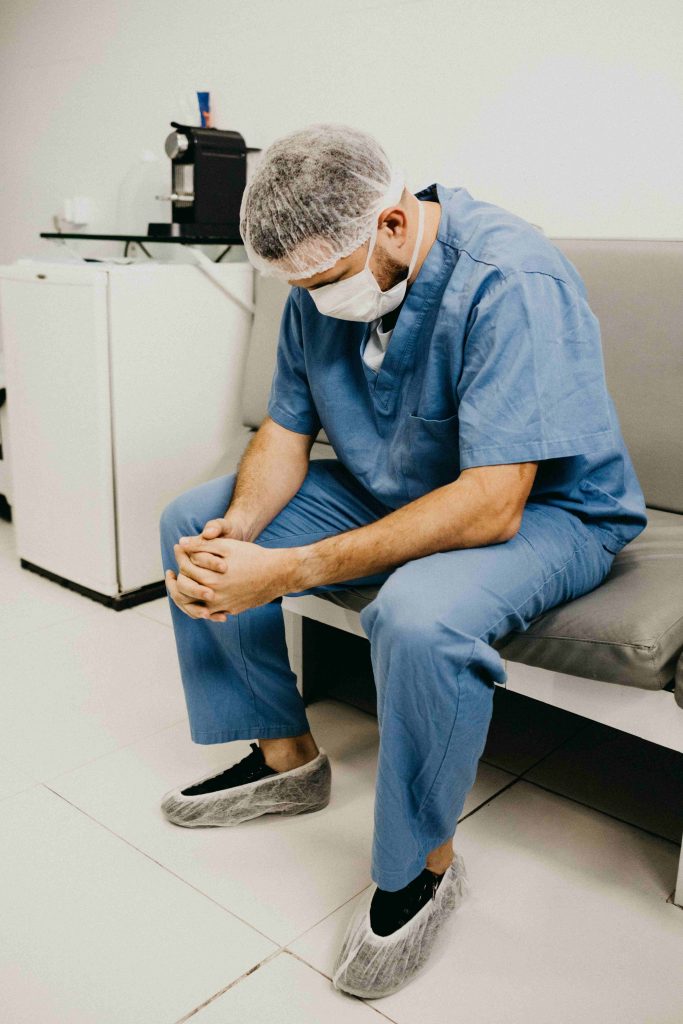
108	913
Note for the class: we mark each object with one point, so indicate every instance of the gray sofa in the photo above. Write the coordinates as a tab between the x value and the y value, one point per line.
613	655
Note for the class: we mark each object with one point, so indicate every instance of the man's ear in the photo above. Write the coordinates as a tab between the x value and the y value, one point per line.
395	221
392	218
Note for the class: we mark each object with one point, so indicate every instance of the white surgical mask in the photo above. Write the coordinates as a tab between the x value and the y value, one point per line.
360	297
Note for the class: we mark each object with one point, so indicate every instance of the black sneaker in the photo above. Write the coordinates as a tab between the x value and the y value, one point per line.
389	911
383	948
249	789
250	768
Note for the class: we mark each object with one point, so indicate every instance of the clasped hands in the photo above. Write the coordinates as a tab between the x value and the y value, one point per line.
220	573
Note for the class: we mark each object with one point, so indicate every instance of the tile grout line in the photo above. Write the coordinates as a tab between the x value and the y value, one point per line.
518	777
521	778
598	810
329	914
543	757
148	856
262	963
163	867
211	999
110	753
515	780
40	629
298	957
622	821
484	803
575	800
84	764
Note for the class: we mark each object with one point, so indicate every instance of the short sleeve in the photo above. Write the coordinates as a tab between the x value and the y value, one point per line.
291	403
532	385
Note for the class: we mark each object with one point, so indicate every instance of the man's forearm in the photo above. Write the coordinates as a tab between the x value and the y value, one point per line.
458	515
270	472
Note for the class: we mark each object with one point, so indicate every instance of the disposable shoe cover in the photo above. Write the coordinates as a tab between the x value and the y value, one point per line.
297	791
370	965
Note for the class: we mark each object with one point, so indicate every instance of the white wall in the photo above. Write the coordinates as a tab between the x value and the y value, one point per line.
567	112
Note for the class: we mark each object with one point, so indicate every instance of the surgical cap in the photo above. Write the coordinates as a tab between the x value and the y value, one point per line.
314	197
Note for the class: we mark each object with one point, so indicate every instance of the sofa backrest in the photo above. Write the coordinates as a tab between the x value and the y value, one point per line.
635	289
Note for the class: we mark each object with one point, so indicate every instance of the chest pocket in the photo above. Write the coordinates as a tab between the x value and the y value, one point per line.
432	455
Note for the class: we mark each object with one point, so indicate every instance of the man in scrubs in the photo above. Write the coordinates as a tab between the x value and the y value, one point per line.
448	350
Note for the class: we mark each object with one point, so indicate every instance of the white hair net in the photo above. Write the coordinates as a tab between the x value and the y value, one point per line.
314	198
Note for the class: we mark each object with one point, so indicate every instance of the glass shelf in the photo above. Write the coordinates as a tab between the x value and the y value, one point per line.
163	239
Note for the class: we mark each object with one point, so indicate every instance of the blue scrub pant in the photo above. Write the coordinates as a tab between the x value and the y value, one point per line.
430	629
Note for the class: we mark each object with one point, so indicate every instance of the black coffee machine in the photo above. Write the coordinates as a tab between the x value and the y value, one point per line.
208	178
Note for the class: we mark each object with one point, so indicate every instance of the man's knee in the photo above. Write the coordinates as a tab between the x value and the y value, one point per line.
174	515
405	613
433	633
414	608
191	510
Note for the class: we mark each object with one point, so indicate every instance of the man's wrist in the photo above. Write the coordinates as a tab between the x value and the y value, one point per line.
325	561
297	568
245	522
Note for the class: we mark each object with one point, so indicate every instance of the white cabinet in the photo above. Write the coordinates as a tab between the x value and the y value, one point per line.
123	390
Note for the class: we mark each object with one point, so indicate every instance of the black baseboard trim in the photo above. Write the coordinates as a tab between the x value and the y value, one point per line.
119	603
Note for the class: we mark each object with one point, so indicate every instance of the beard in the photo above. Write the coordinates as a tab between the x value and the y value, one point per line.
389	271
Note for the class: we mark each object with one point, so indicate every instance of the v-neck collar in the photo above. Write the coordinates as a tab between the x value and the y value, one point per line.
384	382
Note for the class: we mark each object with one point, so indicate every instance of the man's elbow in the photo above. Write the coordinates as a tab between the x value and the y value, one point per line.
502	492
508	526
510	513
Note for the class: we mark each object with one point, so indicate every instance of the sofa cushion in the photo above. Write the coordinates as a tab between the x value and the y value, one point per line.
628	630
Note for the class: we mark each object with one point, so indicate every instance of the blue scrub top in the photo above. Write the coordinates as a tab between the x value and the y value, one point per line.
495	358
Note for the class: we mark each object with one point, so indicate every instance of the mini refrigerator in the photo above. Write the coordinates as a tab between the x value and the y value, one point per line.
123	390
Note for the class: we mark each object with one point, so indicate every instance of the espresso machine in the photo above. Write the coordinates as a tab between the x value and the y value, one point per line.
209	171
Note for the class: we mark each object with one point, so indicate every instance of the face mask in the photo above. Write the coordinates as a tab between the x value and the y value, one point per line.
360	297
